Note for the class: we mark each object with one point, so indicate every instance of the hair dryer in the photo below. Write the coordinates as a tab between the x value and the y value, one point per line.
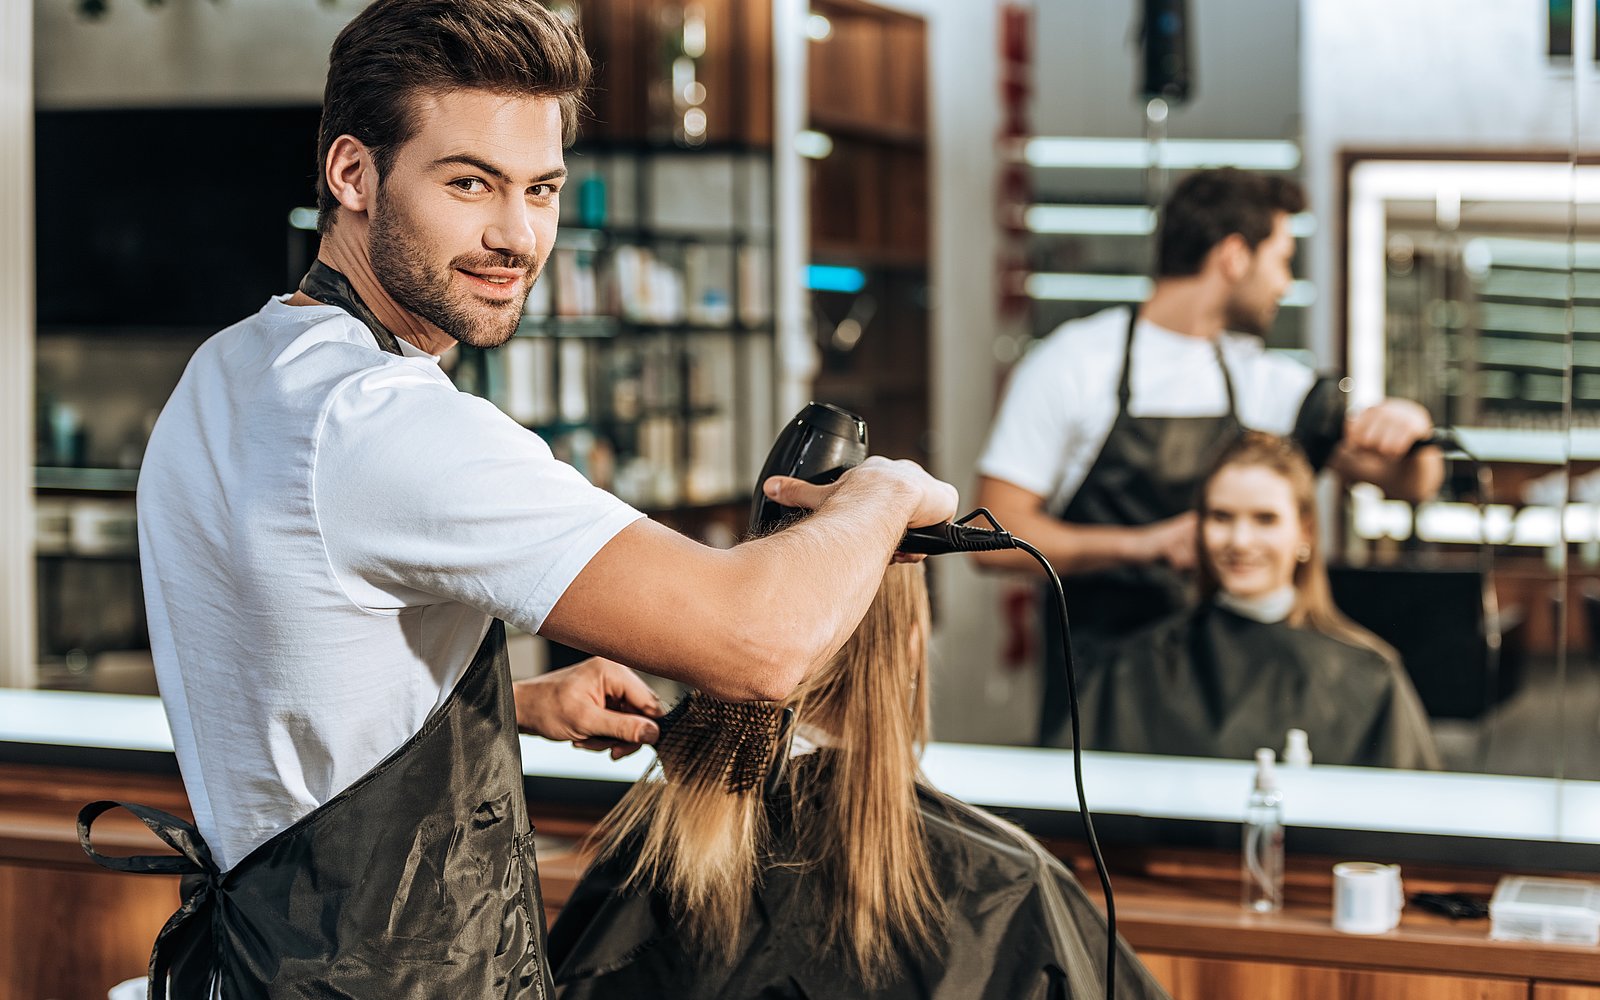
821	444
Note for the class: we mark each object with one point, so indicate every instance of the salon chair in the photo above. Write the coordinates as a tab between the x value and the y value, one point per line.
1434	618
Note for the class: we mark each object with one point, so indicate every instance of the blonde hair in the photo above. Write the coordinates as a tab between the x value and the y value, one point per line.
856	822
1313	603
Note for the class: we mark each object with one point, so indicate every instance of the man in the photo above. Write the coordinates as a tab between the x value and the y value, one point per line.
1109	424
331	535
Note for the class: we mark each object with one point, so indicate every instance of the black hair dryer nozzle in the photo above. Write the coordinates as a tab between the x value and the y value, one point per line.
821	444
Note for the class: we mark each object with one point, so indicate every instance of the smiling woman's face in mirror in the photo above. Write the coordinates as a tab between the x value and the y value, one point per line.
1252	534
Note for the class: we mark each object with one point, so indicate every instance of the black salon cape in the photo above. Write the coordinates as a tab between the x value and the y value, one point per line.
1210	683
1021	929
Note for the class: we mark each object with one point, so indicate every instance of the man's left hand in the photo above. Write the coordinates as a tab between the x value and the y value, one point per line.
1389	428
598	704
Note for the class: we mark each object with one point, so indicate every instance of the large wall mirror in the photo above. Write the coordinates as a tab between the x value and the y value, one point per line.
1448	256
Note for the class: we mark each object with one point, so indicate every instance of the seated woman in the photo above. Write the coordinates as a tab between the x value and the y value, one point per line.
1265	650
841	875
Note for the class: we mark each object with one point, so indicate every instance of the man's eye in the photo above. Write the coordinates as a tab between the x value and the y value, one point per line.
470	185
542	191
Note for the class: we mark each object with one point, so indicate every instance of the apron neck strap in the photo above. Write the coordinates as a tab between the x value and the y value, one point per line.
1125	384
331	288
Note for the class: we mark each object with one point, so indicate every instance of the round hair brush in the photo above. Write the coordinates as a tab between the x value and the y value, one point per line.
705	741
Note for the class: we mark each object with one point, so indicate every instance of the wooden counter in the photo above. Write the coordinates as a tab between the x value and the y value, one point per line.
69	929
1180	910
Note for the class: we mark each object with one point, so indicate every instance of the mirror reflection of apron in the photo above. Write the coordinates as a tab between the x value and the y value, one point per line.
1148	470
418	880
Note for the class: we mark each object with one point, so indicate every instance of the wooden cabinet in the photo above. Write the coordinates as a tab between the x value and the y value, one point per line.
70	930
1564	991
1188	978
68	933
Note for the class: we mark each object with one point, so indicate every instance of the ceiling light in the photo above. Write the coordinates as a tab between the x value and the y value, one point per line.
1174	154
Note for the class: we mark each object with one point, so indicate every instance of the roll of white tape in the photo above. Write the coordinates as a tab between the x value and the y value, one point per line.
1367	897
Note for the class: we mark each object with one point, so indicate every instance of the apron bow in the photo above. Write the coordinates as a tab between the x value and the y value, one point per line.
202	880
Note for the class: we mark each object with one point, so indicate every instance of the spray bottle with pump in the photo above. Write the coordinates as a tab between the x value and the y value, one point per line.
1262	871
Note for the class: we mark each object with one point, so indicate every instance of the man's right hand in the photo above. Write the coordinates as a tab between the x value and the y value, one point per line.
1173	541
934	501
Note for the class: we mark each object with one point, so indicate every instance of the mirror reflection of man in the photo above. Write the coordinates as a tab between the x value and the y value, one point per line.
1109	424
331	536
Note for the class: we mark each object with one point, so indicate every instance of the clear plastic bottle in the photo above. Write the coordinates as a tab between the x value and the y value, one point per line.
1262	869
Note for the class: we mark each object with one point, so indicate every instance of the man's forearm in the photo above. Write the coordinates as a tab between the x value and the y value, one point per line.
815	579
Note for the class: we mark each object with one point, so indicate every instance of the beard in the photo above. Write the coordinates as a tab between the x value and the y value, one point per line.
400	262
1250	317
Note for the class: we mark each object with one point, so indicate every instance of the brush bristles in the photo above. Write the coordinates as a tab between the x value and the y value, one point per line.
705	742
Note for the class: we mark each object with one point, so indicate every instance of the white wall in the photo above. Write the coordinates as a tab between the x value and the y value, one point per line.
972	699
1429	74
17	656
185	52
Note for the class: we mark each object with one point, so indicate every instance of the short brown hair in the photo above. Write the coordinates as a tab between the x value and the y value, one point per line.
1208	206
396	49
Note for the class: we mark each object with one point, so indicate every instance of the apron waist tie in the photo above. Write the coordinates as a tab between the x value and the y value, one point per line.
183	934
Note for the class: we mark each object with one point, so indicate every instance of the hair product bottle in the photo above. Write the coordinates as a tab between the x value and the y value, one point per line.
1262	870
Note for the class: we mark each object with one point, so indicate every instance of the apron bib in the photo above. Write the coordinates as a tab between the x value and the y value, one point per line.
1148	470
419	880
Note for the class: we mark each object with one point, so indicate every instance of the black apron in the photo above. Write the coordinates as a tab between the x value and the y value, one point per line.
418	880
1148	470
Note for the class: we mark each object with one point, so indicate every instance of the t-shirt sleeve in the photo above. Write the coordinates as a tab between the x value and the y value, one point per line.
425	494
1273	390
1028	444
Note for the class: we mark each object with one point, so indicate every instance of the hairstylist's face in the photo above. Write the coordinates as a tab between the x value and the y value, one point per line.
1254	303
466	215
1251	533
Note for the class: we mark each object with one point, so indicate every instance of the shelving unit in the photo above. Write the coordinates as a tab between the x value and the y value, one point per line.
645	354
655	379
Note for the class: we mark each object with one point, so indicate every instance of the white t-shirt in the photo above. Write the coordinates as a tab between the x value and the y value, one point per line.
1062	396
326	531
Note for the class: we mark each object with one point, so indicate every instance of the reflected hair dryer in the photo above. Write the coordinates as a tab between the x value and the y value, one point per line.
822	443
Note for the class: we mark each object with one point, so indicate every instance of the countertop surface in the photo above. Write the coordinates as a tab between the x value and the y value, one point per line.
1015	778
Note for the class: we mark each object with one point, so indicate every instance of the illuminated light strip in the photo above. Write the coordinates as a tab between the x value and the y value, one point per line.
1063	287
1082	153
1325	796
1465	524
813	145
828	278
1090	220
1552	255
303	218
1118	220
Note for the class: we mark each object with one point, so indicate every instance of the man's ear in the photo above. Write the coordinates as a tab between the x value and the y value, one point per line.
351	174
1233	257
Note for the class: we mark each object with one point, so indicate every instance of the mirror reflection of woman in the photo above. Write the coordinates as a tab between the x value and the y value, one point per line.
1265	650
853	879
